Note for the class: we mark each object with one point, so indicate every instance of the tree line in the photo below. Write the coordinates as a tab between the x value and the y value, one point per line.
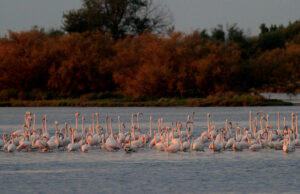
39	64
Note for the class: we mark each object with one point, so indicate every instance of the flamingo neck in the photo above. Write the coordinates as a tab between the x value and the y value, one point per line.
297	125
150	130
46	130
106	124
97	121
72	137
33	121
208	123
82	125
138	121
267	121
158	128
133	132
167	139
111	130
119	124
278	121
93	121
43	127
250	120
66	126
56	139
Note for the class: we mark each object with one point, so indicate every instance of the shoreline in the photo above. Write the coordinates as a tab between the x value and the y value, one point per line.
243	100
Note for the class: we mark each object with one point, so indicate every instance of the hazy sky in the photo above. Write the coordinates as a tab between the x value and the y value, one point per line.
187	14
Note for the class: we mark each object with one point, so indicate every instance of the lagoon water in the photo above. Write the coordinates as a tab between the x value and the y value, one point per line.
148	171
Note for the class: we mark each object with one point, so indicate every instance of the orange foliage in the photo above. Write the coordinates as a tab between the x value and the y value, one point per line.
143	66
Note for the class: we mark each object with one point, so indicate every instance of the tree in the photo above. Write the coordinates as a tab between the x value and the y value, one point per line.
263	28
218	33
118	17
235	34
271	40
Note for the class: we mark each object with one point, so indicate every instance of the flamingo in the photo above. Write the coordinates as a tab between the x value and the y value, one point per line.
256	147
11	147
215	147
159	145
140	141
129	147
41	144
73	146
185	146
229	143
237	146
198	145
24	142
53	143
288	146
45	133
167	139
84	146
2	141
111	144
174	147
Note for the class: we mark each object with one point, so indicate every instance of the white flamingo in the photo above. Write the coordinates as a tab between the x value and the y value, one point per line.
84	146
73	146
129	147
174	147
198	145
2	141
11	147
111	144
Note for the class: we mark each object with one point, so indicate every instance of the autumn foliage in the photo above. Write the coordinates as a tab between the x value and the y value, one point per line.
38	65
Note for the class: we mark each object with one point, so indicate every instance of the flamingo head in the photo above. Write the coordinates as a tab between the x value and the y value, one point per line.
260	112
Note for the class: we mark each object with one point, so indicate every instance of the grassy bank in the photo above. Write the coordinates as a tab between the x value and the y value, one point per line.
219	100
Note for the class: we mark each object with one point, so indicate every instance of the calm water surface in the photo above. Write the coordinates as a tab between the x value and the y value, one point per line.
148	171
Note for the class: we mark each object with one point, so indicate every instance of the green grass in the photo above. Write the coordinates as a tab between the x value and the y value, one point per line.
216	100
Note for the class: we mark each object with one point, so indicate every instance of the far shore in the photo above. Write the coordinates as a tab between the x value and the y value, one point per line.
233	100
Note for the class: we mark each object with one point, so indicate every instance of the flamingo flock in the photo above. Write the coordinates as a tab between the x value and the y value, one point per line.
172	139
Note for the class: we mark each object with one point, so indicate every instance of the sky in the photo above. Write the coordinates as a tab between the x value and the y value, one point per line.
188	15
